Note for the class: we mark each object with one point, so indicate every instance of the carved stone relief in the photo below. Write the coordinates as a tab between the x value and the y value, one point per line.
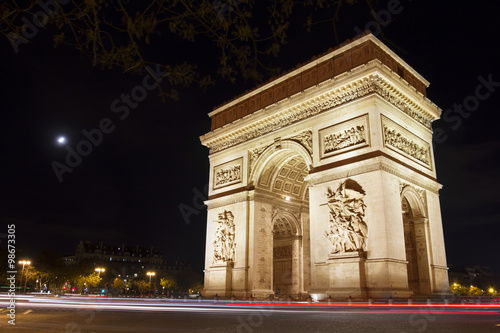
396	139
254	156
228	173
420	191
346	138
348	230
404	202
305	139
224	244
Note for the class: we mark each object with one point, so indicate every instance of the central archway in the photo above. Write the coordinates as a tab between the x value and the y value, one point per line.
279	178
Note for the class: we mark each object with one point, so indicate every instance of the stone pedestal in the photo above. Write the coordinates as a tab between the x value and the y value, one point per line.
220	280
347	275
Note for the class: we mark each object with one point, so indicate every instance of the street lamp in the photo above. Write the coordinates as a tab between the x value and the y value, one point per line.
150	274
23	262
99	270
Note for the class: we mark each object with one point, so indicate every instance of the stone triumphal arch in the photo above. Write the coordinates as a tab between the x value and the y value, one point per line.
323	182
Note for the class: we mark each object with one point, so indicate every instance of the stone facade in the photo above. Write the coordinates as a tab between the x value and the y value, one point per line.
329	189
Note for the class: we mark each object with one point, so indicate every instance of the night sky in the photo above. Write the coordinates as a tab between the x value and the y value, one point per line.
129	188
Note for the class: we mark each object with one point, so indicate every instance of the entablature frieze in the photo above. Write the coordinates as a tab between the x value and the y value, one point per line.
378	80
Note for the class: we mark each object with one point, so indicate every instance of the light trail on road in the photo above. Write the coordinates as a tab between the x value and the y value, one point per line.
209	306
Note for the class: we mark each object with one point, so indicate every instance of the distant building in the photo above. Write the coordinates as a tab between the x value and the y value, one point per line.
87	250
125	261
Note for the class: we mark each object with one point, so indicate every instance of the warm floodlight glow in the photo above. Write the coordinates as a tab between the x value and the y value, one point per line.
23	262
287	198
150	274
99	270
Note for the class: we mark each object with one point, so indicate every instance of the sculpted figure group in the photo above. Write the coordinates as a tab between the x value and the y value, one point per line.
398	141
227	175
346	138
224	244
348	230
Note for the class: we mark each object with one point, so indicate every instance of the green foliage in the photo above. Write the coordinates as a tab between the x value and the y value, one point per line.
141	285
118	284
196	288
457	289
471	291
475	291
168	282
90	280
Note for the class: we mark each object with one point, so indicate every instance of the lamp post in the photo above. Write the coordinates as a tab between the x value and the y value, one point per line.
99	270
150	274
23	262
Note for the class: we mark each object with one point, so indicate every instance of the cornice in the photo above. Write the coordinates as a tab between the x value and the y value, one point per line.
375	82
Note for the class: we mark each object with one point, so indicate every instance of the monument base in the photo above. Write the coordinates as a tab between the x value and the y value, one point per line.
347	275
220	280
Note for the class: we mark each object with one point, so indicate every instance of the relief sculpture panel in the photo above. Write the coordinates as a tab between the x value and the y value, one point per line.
347	228
228	174
398	141
224	244
344	137
405	143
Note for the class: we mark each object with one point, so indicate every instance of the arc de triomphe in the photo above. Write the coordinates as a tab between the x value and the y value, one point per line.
323	181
